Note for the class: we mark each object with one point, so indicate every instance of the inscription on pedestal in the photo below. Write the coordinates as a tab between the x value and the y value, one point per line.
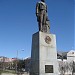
48	68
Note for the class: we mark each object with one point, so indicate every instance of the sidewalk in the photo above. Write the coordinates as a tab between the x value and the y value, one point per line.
14	74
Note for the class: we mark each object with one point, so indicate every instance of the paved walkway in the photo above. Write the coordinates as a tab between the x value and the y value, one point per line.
14	74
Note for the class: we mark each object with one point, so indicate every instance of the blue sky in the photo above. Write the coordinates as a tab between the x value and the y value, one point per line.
18	23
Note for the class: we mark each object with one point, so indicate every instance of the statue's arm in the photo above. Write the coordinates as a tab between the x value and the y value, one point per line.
37	9
46	8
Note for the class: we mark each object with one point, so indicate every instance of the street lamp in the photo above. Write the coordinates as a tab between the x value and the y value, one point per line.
17	59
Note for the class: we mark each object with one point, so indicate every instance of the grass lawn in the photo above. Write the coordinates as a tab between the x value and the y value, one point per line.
7	71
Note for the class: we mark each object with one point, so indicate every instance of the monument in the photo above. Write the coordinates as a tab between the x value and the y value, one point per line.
43	54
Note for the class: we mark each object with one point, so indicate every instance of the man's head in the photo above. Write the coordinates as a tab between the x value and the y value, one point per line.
43	0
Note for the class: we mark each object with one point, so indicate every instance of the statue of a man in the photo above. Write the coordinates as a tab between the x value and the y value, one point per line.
41	13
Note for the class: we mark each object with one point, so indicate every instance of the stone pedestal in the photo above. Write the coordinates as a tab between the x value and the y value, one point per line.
44	54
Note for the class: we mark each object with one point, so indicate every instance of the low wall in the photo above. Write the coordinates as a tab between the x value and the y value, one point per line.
8	74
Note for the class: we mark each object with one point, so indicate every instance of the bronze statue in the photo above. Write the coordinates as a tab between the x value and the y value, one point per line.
42	17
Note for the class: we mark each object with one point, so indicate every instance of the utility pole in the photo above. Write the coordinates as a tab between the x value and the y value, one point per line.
17	60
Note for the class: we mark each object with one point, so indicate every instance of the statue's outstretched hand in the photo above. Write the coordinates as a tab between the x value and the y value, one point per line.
37	14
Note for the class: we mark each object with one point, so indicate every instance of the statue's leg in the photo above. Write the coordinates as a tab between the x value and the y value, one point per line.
41	20
44	18
39	25
44	22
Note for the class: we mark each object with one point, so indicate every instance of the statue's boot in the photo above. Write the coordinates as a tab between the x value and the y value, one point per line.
40	27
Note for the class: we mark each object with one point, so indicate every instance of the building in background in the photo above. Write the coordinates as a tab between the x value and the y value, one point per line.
66	62
6	63
71	56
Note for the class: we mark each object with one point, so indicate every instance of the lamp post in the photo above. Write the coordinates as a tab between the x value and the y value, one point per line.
17	59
